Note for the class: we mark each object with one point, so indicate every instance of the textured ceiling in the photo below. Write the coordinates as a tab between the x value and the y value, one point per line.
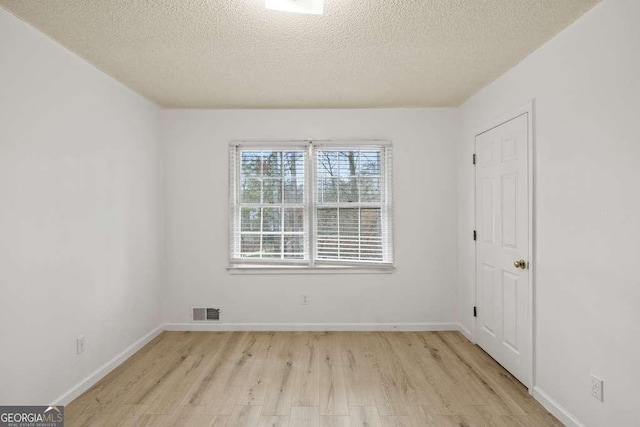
360	53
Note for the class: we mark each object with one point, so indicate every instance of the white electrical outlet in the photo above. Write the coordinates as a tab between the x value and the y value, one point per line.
80	342
596	388
304	299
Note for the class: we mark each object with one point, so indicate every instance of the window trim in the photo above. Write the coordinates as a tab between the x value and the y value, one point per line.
310	265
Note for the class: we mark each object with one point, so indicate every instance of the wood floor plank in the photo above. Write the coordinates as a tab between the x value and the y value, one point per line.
273	421
357	375
447	377
304	416
387	380
411	384
329	379
177	419
364	416
306	370
221	421
495	374
112	390
124	414
255	388
179	382
332	389
279	397
244	416
214	372
335	421
152	381
423	415
504	398
244	359
243	362
398	421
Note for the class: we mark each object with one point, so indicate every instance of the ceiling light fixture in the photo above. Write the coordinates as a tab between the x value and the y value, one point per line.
311	7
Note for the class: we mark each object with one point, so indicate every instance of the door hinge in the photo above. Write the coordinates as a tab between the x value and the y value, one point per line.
475	311
475	235
474	158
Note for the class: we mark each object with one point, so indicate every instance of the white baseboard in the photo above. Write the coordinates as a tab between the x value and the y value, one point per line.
311	327
556	409
464	331
102	371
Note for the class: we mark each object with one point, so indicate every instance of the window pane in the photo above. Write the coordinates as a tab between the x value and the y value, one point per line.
271	246
251	163
327	190
272	163
250	190
327	234
250	245
348	176
348	163
327	221
293	246
294	219
371	234
293	163
327	164
370	222
349	222
348	190
349	233
293	172
271	219
293	190
369	189
272	190
250	219
370	163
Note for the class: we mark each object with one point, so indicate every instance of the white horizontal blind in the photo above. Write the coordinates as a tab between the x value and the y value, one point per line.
268	204
353	205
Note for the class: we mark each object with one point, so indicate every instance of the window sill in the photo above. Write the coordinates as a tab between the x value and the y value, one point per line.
292	269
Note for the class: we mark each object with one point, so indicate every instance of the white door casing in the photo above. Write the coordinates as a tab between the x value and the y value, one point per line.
503	293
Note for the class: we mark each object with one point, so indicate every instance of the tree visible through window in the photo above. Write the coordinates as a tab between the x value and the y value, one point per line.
343	216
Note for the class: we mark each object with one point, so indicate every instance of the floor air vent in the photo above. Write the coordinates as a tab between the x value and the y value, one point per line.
205	314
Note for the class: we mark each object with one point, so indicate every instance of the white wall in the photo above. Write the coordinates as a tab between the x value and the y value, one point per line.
79	216
422	290
81	229
586	83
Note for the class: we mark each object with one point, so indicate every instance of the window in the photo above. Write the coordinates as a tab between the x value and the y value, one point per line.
311	204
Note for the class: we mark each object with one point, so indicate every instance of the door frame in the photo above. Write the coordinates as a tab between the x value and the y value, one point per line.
528	109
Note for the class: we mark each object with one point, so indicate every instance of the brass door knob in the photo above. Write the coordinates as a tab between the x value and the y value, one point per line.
521	264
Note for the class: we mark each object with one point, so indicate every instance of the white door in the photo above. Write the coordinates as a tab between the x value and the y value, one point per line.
502	245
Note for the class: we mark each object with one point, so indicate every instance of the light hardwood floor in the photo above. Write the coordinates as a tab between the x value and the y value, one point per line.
309	379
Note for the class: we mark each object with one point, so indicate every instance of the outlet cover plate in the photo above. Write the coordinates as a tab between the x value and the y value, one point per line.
597	388
80	344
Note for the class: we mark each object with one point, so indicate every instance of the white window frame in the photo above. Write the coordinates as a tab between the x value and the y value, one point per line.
310	265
